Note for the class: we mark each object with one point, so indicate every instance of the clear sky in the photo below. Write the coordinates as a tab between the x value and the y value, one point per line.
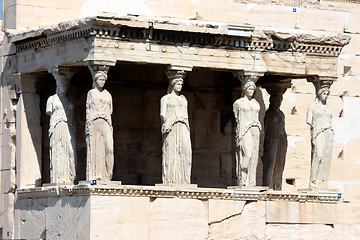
0	9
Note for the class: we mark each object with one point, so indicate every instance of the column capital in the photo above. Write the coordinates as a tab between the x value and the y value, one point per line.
276	87
179	68
321	81
62	73
247	76
96	66
174	71
321	78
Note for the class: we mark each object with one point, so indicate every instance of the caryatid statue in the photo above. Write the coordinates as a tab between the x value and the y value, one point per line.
175	130
98	128
275	144
246	110
62	130
319	118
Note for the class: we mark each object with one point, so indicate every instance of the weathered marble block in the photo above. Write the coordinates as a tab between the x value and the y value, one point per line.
148	212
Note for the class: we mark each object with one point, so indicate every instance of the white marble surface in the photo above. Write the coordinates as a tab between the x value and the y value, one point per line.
246	111
99	130
175	130
61	133
322	137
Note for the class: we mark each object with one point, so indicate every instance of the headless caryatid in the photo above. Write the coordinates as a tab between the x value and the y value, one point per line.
246	111
175	129
98	130
319	118
61	133
275	144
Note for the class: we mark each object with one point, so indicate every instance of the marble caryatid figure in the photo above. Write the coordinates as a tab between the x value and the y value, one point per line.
319	118
175	129
246	110
61	133
275	144
99	130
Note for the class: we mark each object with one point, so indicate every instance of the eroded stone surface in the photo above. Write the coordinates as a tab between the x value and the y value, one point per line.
294	212
180	219
128	218
299	231
83	212
33	218
250	224
347	231
352	25
220	210
68	218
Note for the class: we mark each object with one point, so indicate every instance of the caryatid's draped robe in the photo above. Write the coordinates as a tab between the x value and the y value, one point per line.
62	139
275	146
176	149
322	136
99	135
247	140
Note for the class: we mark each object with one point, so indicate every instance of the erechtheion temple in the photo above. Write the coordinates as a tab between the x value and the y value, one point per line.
180	119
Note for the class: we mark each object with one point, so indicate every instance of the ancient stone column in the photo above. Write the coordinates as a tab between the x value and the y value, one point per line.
246	110
175	130
98	127
275	143
28	132
61	130
319	118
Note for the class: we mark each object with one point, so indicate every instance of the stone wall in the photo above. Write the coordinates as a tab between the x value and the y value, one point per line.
8	147
330	15
134	212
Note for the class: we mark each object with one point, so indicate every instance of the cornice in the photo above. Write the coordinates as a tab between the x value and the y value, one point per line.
184	193
180	32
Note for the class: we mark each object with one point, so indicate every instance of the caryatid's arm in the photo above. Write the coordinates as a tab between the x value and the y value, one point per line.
163	108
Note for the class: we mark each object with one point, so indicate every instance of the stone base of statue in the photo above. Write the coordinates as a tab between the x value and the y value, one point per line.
322	194
317	190
249	188
99	182
57	184
176	185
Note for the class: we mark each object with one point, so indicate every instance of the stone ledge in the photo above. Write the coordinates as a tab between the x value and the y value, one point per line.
330	197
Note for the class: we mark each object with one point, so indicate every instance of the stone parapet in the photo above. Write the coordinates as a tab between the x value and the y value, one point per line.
160	212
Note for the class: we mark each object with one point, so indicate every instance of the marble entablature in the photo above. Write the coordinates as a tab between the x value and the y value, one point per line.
201	44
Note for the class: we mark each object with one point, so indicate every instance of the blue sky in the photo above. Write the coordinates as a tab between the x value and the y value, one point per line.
1	9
